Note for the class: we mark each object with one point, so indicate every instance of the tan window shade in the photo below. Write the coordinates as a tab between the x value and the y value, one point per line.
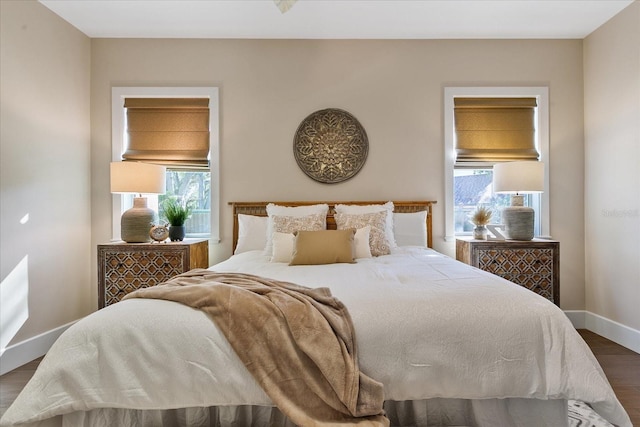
494	130
169	131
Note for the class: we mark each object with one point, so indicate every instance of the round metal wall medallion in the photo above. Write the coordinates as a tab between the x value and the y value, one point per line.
330	146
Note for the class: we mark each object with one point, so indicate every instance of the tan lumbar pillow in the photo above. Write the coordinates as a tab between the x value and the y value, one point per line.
323	247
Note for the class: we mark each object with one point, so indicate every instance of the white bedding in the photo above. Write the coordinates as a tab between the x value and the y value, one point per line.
427	327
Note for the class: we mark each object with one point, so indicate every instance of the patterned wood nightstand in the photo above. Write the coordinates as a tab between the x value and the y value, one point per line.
125	267
533	264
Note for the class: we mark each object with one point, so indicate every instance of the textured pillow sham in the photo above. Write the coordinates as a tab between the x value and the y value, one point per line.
290	211
378	242
323	247
362	209
410	229
252	233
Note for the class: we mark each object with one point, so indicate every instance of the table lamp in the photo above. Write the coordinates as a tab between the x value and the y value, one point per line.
140	178
518	178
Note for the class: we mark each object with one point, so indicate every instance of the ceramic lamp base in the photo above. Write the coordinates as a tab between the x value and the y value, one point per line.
518	222
137	221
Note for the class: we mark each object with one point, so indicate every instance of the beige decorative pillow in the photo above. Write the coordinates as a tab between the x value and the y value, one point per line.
377	237
323	247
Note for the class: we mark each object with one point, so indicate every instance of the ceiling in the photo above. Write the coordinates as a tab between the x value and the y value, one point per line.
338	19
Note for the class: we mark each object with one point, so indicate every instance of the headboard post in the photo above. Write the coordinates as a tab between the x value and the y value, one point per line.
260	209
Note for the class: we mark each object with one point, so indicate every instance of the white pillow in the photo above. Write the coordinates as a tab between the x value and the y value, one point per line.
283	244
410	229
363	209
252	233
273	209
290	211
361	243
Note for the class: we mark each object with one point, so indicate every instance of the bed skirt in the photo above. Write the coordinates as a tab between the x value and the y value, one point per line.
432	412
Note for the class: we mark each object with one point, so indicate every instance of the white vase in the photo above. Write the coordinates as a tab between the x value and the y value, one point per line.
480	232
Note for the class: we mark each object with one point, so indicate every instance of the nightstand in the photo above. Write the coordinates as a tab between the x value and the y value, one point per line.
534	264
125	267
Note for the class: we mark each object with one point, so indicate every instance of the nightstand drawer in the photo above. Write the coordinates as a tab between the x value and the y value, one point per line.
125	267
532	264
527	261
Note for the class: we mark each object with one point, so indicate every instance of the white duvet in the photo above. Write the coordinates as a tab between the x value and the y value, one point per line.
426	326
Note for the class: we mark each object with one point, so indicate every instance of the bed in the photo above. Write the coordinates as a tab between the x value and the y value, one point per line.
451	344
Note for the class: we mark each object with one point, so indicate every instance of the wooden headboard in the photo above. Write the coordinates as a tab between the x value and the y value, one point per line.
260	209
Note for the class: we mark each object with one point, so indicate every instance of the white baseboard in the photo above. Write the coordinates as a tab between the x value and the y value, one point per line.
577	318
25	351
610	329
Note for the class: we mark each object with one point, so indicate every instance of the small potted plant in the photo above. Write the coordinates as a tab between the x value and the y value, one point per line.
480	218
176	213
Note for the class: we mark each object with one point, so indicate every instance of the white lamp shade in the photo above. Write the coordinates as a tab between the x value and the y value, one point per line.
518	177
137	177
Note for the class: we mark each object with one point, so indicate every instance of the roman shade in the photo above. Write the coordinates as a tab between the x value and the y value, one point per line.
168	131
494	130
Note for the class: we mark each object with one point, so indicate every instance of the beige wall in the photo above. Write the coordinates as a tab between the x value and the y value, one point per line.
44	163
612	159
394	88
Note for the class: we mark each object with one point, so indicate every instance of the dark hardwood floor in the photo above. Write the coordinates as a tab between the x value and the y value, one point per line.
621	365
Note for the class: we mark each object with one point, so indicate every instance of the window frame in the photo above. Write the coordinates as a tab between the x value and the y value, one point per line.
541	93
118	94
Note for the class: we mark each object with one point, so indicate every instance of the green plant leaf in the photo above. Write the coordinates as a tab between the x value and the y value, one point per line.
176	212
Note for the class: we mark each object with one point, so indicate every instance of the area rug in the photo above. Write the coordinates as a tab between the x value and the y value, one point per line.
581	415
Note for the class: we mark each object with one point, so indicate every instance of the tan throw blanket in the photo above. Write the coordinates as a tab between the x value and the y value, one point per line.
298	343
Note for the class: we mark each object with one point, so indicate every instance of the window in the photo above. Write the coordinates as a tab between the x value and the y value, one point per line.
192	165
468	183
192	188
174	132
472	187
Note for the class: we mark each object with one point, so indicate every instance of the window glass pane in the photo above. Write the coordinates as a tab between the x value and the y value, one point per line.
473	188
192	188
